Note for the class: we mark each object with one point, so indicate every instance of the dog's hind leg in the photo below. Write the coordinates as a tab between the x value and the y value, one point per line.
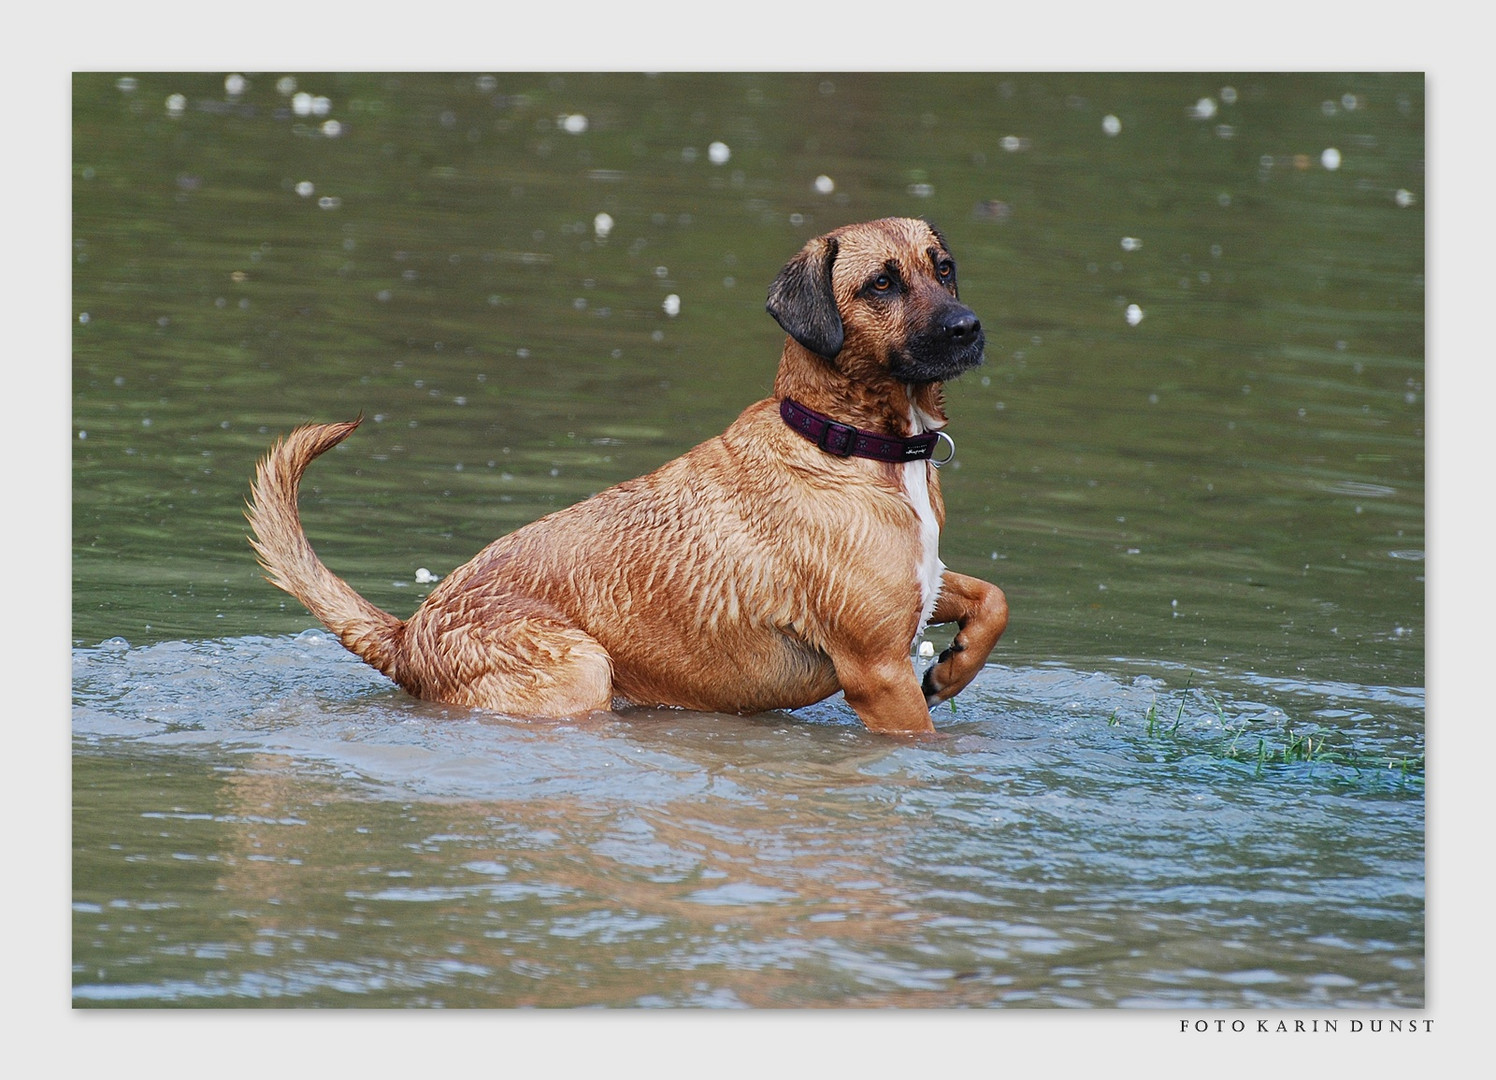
530	666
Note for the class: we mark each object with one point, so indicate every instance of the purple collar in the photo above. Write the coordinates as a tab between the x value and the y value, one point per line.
843	440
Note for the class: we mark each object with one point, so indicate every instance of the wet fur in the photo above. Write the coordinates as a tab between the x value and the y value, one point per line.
754	572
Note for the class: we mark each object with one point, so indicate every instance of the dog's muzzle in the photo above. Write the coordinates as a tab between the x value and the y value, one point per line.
952	342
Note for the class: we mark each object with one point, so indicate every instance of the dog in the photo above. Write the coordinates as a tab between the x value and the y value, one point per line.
792	556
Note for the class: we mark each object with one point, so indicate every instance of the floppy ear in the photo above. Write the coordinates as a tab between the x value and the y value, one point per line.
802	302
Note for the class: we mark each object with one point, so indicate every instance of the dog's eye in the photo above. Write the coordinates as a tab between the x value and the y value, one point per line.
946	269
882	283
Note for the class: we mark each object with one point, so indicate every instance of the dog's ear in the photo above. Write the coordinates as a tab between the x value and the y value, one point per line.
802	302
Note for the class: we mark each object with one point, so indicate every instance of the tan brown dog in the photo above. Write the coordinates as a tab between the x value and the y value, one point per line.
792	556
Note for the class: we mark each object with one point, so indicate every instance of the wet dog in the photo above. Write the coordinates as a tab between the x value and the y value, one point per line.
792	556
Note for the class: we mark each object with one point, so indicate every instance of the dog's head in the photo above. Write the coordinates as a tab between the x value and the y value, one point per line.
879	298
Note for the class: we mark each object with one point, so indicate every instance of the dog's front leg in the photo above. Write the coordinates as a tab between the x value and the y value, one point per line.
885	693
981	612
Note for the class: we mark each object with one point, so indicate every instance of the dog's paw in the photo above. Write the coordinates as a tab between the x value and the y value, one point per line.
931	691
928	684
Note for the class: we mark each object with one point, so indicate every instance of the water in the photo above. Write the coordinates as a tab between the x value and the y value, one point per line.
1207	515
331	841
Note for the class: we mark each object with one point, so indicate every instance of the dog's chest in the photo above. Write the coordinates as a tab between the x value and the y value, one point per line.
927	565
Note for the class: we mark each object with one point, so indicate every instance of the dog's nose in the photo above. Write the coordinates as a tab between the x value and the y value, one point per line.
962	326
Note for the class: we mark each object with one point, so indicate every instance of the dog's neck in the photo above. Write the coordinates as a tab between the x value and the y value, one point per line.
881	404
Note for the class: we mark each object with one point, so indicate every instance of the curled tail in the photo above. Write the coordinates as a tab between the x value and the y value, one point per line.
375	636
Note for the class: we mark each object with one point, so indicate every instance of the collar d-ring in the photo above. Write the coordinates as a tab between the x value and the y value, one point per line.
950	444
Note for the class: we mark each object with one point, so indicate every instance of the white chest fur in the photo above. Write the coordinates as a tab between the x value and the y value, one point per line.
928	567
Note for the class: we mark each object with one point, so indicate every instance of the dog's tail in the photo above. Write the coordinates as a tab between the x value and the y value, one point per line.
375	636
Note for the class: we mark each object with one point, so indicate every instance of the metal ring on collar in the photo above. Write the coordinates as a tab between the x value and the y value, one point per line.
951	446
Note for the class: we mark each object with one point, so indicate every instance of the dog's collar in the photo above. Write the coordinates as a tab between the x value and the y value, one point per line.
843	440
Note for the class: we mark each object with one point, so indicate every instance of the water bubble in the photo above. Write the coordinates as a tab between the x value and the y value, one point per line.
602	225
1404	197
573	123
305	189
671	305
718	153
235	85
926	649
824	184
1330	159
1131	243
126	84
1111	125
301	104
425	577
1228	95
921	191
1134	314
1012	143
285	86
1203	109
176	104
332	129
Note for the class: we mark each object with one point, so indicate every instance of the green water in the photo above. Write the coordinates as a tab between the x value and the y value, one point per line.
1209	522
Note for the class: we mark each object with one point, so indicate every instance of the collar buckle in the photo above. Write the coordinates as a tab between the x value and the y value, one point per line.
839	439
